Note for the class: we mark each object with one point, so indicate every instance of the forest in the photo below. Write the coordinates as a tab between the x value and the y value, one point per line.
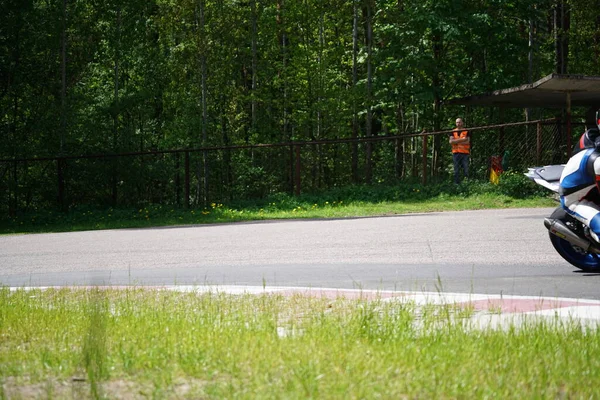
82	81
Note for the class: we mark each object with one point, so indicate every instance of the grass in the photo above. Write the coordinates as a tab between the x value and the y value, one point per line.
345	202
138	344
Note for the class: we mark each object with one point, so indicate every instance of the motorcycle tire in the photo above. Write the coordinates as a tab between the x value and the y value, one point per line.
575	255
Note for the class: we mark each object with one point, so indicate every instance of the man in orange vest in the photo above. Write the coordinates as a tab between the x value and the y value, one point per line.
460	140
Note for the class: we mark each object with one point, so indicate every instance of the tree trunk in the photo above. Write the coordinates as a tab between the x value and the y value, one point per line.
63	92
354	93
116	108
320	89
254	62
287	137
282	72
530	63
562	22
206	168
13	126
437	101
369	124
597	42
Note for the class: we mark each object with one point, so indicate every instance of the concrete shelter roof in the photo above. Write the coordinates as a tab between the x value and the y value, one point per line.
549	92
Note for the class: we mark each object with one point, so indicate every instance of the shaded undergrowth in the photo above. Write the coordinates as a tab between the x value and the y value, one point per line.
349	201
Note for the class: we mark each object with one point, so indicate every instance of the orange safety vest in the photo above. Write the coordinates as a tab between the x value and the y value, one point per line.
464	148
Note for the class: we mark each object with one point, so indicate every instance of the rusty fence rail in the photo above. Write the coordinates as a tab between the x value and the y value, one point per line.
194	177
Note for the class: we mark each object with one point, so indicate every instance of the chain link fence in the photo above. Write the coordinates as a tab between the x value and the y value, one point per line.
197	177
520	145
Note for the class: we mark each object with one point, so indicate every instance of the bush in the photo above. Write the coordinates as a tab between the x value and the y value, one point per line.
517	185
251	181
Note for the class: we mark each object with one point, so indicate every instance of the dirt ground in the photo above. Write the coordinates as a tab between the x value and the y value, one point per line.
79	388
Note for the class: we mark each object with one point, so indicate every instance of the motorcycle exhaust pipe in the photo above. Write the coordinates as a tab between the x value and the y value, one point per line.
558	228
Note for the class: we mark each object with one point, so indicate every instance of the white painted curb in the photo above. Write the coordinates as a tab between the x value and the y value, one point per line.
488	310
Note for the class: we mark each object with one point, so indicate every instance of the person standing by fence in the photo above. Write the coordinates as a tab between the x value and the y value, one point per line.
460	140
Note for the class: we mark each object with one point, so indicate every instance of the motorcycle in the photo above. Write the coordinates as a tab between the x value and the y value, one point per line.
569	237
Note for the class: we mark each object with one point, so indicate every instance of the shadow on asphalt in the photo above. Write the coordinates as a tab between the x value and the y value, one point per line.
586	273
278	221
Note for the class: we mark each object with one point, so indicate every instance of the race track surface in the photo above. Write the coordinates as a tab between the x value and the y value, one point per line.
495	252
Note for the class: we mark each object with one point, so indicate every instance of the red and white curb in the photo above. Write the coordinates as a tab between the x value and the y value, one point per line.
487	310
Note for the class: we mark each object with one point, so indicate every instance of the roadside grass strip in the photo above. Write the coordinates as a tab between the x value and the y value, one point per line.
285	342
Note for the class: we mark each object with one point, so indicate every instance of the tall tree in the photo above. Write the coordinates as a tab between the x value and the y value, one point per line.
369	93
63	92
203	67
355	126
562	23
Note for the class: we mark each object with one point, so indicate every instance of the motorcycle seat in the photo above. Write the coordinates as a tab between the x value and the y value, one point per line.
550	173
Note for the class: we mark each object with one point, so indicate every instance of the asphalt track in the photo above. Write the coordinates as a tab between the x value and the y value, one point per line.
496	252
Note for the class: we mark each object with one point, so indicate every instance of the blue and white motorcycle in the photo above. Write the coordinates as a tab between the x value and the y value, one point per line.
569	237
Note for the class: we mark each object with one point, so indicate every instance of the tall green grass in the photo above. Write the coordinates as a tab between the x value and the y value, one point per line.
127	343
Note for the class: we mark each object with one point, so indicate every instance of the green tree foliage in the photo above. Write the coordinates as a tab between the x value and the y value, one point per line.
585	37
159	74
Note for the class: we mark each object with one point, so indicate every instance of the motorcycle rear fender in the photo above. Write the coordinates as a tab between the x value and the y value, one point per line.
547	176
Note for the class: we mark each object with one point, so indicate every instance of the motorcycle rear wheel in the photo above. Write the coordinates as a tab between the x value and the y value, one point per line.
575	255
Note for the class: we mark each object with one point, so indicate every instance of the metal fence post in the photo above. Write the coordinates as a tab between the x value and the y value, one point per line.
113	182
424	178
13	203
61	183
177	180
187	179
291	173
298	170
501	143
538	155
398	157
